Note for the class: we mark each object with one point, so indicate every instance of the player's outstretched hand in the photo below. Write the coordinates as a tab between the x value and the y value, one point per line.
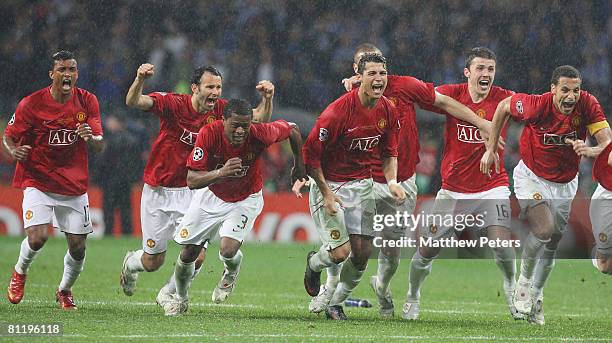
488	158
398	194
265	88
297	186
580	147
329	202
84	131
21	152
298	174
351	82
233	166
145	71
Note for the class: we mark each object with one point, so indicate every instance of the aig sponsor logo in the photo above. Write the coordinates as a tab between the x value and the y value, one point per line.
62	137
469	134
365	143
552	139
189	137
243	171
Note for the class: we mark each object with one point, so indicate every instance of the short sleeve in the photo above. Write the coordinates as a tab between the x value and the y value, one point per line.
525	107
276	131
390	144
595	114
94	120
161	101
324	133
422	93
198	158
20	122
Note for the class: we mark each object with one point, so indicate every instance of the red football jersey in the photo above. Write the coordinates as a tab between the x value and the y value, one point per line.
178	130
347	135
57	162
212	150
464	146
403	92
543	147
602	172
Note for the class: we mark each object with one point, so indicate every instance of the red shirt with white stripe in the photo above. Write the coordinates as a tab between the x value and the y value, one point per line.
57	162
178	130
212	149
348	138
602	171
543	147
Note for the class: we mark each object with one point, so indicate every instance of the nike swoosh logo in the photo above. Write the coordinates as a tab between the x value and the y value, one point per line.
351	130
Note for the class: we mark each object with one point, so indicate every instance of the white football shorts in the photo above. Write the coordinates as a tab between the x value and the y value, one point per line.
70	213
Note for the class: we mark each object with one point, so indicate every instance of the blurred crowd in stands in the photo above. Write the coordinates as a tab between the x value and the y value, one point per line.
304	47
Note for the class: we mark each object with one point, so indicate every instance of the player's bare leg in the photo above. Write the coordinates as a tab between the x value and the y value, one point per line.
541	222
603	263
420	267
505	261
388	261
231	256
30	247
350	274
73	266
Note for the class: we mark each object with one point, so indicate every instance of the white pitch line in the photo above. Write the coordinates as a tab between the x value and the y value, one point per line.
358	338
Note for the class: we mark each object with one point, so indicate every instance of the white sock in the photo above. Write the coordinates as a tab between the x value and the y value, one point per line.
504	259
349	279
333	276
232	264
542	271
183	273
387	266
72	270
170	286
420	267
321	260
533	246
134	263
26	256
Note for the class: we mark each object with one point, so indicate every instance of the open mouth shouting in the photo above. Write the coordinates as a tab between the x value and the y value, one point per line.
484	84
66	84
378	88
567	106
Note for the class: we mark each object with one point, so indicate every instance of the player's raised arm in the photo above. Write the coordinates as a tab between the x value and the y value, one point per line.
502	113
134	97
263	112
462	112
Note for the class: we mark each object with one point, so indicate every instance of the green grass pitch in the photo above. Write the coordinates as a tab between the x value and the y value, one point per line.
461	301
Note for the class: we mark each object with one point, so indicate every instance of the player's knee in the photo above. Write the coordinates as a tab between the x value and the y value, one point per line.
605	266
429	252
77	252
228	252
504	254
152	263
190	253
37	242
553	244
390	253
340	254
360	262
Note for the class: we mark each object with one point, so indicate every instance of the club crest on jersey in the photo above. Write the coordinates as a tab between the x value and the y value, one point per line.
183	233
12	121
433	229
62	137
334	234
29	215
576	121
249	156
519	106
80	116
382	123
603	238
393	100
198	154
189	137
365	143
481	113
150	243
537	196
323	134
553	139
210	119
468	134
